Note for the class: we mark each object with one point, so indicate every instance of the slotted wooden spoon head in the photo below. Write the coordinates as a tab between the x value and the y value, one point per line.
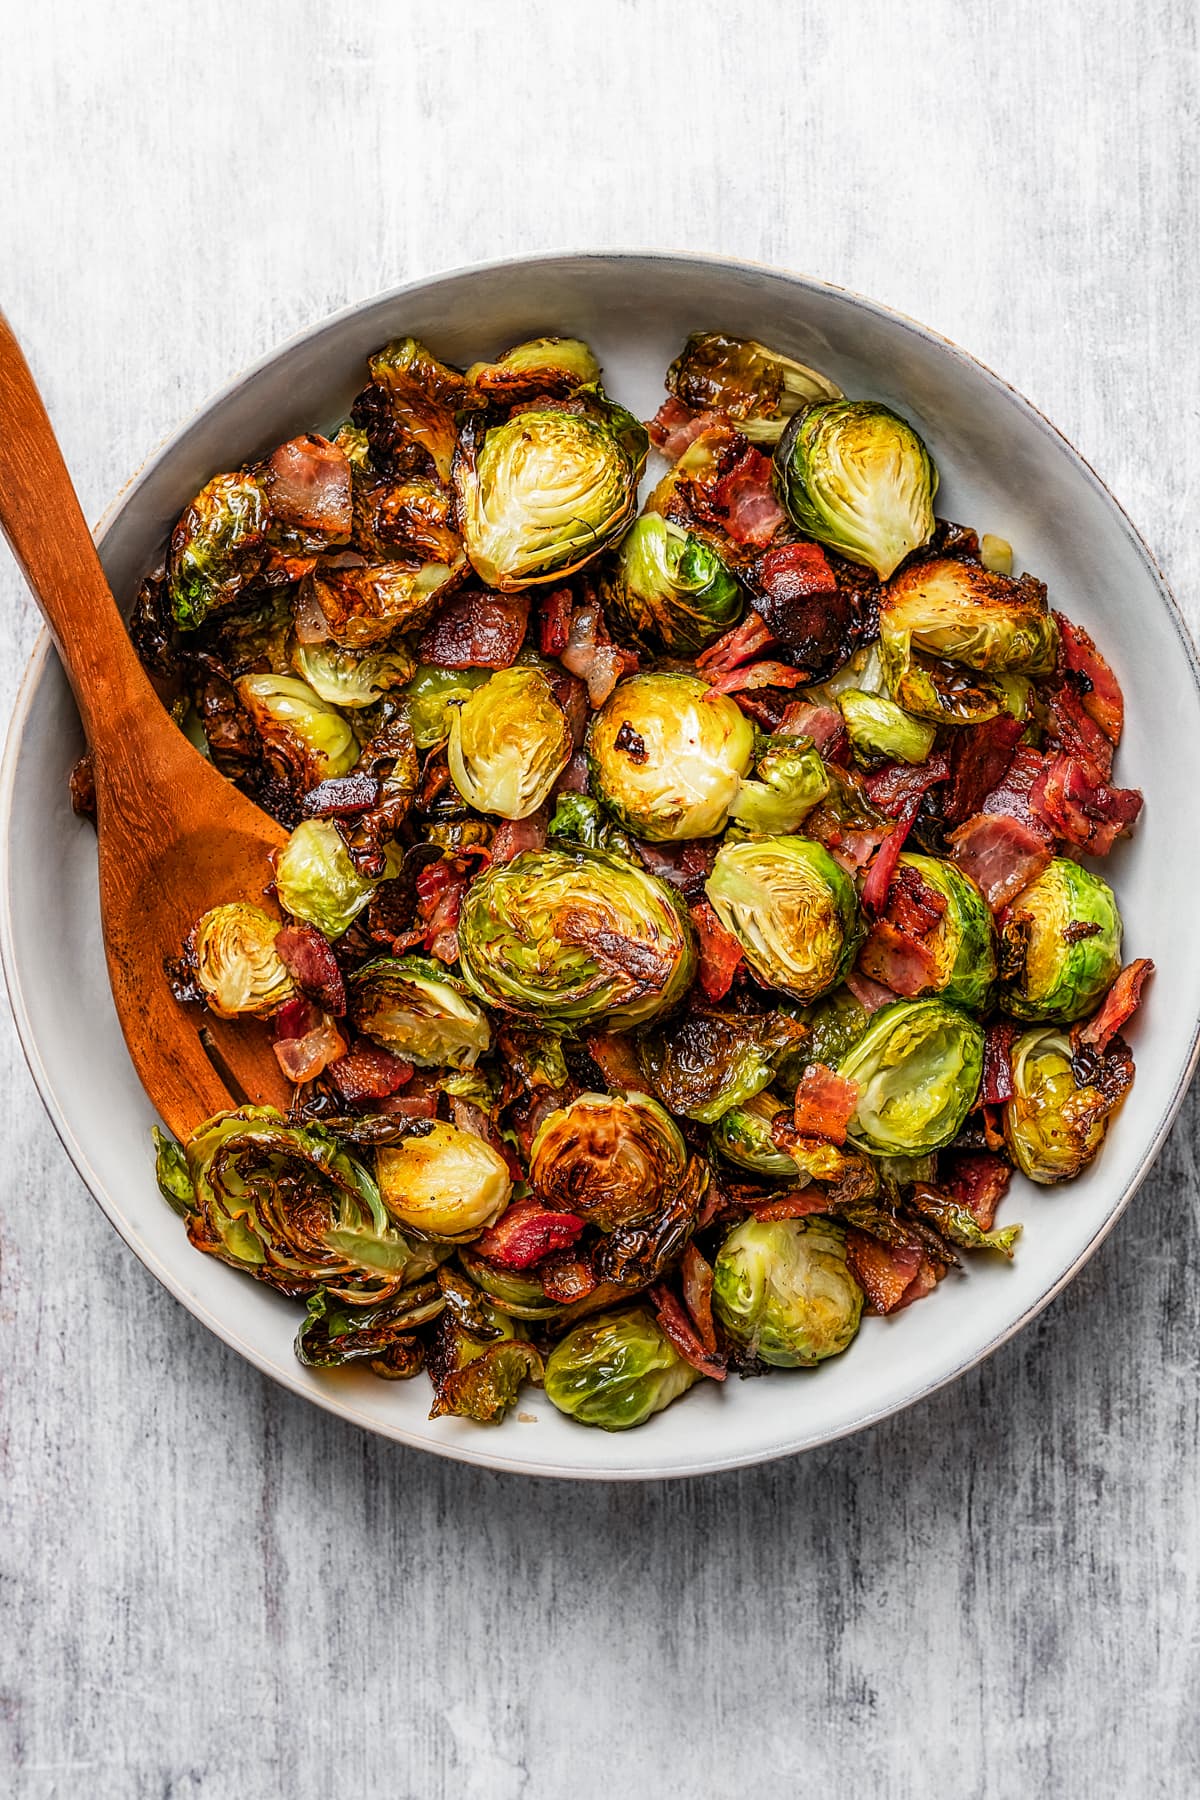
175	837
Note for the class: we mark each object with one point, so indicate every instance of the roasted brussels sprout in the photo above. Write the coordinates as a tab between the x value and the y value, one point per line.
335	1335
1055	1122
917	1067
236	961
509	743
782	1291
316	880
743	1136
758	388
960	944
578	819
430	698
546	491
567	936
833	1024
707	1062
615	1371
962	613
364	605
408	411
216	547
480	1359
444	1183
547	365
957	1224
669	589
791	908
609	1158
667	756
857	478
1060	945
881	731
346	679
789	780
414	1008
307	736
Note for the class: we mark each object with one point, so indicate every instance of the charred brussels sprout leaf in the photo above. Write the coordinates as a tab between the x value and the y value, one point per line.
957	1224
743	1136
783	1292
431	696
834	1024
881	731
615	1371
962	943
236	961
961	613
216	548
789	780
509	743
365	605
304	734
346	679
567	936
546	365
709	1062
609	1158
408	412
669	588
1055	1122
480	1360
171	1173
546	491
578	819
445	1183
791	908
667	756
334	1335
1060	945
758	388
917	1068
858	479
316	880
415	1009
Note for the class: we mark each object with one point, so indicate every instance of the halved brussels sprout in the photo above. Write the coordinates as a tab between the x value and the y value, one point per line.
791	907
1060	945
615	1371
310	737
316	880
365	604
411	1006
947	693
783	1292
1054	1124
962	613
237	963
917	1067
707	1062
509	743
789	780
758	388
881	731
667	756
743	1136
411	403
546	365
216	547
334	1336
669	588
962	943
856	477
566	936
546	491
444	1183
346	678
609	1158
430	698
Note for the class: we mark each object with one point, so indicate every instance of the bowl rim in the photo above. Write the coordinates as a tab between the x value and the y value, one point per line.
331	1400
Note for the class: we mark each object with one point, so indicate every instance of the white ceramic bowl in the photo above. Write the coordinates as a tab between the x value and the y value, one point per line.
1004	469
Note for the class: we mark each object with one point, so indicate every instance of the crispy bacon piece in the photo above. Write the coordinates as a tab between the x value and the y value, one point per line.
738	645
720	953
879	876
309	959
417	1099
996	1082
760	675
527	1232
1120	1004
1010	796
1080	808
696	1282
825	1103
554	620
476	630
675	426
1001	856
685	867
514	836
928	1274
798	595
871	995
978	1180
306	1041
898	960
823	724
591	654
800	1205
1093	679
615	1057
913	906
1072	730
346	797
568	1279
979	760
747	498
892	789
307	484
440	888
682	1333
884	1274
369	1073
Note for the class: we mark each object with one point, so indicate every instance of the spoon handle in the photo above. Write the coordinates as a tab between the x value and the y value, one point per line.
41	518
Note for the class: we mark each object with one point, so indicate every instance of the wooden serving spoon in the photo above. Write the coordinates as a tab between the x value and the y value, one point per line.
175	836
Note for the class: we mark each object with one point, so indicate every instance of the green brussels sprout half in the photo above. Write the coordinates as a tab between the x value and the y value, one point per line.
917	1067
316	880
1055	1122
783	1292
444	1183
791	907
668	588
963	942
480	1359
431	696
216	547
566	936
348	679
1060	945
667	756
509	743
945	693
708	1062
960	612
616	1370
609	1158
543	493
236	961
881	731
416	1009
546	365
308	735
758	388
743	1136
856	477
789	780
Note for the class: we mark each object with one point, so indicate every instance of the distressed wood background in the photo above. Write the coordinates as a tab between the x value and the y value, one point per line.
211	1589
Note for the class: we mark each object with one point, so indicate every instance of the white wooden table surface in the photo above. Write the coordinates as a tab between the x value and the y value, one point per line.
211	1589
